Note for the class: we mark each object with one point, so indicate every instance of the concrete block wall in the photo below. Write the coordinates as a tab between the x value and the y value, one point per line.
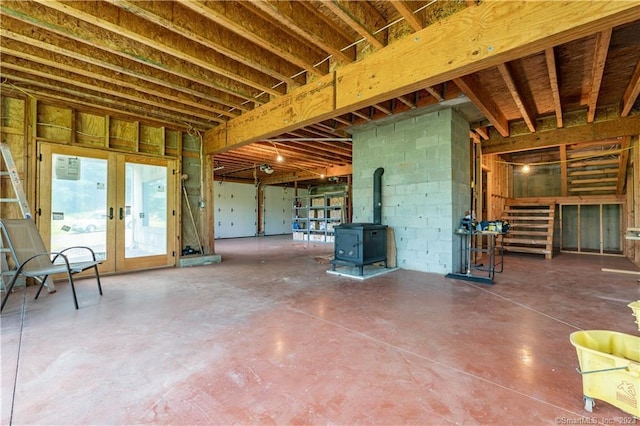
425	185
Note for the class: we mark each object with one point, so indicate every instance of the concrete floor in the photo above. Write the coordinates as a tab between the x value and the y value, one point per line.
268	337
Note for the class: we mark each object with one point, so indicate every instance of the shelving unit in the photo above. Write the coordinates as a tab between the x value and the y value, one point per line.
315	216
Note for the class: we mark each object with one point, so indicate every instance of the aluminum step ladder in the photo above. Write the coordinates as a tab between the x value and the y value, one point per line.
21	199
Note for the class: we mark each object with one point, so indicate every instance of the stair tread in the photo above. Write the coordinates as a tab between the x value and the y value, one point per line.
533	241
530	218
526	232
528	211
527	250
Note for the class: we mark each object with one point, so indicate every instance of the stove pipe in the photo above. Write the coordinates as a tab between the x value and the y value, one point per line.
377	195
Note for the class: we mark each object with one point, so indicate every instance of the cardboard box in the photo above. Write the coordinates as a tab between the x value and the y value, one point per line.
299	236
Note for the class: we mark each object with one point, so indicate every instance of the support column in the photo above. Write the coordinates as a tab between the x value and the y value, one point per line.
425	186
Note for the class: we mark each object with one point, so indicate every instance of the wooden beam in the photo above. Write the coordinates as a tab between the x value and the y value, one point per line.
308	175
289	15
409	17
406	101
207	223
470	86
433	92
632	91
625	145
563	170
599	130
599	59
362	17
483	131
475	38
382	109
552	69
516	94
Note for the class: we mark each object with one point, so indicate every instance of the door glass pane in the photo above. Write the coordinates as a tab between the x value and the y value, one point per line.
145	212
570	228
611	218
590	228
79	205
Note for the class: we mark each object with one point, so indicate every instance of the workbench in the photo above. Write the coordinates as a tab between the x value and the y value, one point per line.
480	246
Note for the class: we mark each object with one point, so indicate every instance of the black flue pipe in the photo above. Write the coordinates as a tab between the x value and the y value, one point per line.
377	195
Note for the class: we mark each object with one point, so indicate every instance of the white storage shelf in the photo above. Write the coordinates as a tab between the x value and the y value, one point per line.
315	216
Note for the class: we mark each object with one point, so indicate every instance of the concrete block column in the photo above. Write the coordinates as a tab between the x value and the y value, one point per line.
425	186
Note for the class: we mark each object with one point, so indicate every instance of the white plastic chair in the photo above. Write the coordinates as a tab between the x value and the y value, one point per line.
33	260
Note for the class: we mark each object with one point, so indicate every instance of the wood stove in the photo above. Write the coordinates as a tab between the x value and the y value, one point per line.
360	244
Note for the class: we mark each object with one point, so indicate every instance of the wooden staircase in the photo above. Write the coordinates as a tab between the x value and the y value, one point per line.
530	228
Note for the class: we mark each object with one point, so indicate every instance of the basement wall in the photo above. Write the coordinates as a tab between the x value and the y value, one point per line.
425	186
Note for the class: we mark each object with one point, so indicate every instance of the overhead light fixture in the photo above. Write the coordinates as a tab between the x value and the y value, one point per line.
279	158
266	168
525	168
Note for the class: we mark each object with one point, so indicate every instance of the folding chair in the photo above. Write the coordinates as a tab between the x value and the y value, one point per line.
32	259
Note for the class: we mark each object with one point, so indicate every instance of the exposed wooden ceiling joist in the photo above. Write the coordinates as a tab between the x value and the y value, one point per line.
631	92
525	110
600	58
363	18
550	58
292	16
472	87
83	33
58	50
233	16
383	74
170	43
407	14
217	38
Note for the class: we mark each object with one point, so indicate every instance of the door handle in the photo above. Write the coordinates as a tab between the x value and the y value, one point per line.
111	213
121	213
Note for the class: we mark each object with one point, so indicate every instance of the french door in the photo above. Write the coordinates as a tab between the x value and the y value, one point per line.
118	204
